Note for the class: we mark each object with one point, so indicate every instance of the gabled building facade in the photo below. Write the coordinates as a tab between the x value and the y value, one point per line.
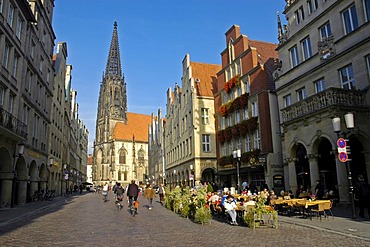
190	146
246	114
323	73
156	157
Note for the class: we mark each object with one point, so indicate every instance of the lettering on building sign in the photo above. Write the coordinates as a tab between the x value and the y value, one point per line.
276	166
204	165
33	154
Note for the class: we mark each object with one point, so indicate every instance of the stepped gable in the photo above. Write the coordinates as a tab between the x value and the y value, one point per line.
136	126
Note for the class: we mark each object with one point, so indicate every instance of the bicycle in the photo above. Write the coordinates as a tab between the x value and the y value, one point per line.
133	207
105	195
119	199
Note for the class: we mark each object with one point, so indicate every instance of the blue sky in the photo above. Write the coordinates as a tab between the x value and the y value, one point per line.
154	37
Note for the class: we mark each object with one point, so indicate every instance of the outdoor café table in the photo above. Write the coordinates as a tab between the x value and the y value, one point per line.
311	204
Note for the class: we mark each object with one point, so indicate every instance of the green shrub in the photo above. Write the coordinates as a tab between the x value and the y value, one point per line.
202	215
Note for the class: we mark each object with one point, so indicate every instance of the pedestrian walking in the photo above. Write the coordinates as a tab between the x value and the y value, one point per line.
363	195
161	192
149	194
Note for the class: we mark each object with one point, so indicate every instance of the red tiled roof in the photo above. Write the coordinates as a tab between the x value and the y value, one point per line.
264	49
137	126
206	73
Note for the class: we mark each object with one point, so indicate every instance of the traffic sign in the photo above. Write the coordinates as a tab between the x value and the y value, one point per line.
341	143
343	157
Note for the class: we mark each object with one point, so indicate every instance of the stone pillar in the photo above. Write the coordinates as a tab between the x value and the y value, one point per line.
34	185
314	169
22	192
292	174
6	193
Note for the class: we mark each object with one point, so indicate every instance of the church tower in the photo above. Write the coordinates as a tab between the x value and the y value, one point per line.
121	139
112	108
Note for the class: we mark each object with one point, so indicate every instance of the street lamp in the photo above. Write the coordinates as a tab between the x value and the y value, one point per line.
18	153
193	176
349	119
174	172
237	155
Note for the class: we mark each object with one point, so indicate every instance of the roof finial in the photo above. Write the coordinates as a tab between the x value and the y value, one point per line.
115	25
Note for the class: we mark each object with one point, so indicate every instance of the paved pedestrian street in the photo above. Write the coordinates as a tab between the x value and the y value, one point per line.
88	221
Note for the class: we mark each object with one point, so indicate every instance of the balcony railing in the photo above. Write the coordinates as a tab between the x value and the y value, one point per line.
12	123
331	97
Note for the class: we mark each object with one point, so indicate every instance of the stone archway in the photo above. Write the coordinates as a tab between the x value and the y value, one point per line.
302	166
358	164
34	177
208	175
21	181
326	165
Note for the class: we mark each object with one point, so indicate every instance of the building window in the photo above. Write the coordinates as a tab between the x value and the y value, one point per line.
6	55
237	116
15	65
320	85
205	115
325	31
312	5
206	143
2	94
122	157
347	77
11	103
239	144
245	114
293	56
254	109
18	32
247	143
350	19
247	88
368	65
1	6
10	14
41	64
229	120
26	112
367	9
32	52
222	123
301	94
299	15
223	149
287	100
306	48
224	97
257	140
231	147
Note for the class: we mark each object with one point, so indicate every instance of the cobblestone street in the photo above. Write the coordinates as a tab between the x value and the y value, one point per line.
87	221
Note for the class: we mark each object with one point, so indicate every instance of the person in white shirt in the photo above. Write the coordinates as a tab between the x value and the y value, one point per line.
230	208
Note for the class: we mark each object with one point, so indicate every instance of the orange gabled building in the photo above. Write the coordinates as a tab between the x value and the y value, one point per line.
246	112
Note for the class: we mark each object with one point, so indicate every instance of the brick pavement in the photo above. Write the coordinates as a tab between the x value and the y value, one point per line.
87	221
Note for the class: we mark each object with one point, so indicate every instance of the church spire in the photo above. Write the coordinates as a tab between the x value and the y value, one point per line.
114	59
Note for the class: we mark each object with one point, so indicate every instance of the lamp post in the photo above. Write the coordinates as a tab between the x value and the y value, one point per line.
192	176
237	155
18	153
174	172
343	149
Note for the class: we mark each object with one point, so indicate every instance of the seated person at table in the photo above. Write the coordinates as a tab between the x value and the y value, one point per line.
213	201
272	196
230	208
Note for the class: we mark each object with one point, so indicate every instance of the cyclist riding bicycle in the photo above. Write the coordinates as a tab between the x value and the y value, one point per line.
119	194
132	193
105	192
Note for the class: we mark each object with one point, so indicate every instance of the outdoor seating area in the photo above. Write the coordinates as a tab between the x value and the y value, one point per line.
303	207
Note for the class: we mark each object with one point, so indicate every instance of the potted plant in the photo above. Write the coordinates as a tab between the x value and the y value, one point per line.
261	214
